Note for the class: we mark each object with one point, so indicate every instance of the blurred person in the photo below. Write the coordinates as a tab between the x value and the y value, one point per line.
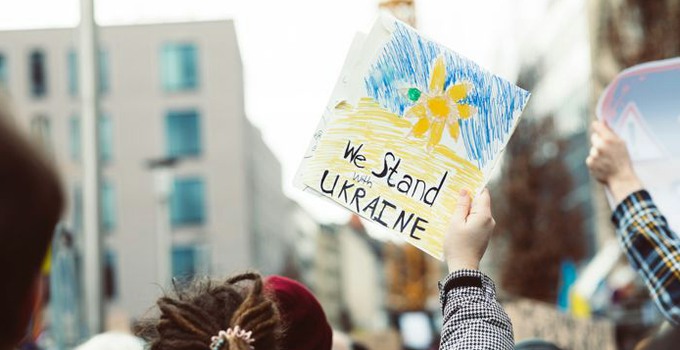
666	338
341	341
358	346
643	232
31	202
535	344
242	312
112	341
472	316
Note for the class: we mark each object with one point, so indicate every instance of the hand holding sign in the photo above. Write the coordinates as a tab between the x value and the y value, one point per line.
610	164
642	107
410	123
469	232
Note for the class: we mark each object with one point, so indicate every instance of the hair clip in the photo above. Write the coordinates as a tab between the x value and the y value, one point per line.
236	332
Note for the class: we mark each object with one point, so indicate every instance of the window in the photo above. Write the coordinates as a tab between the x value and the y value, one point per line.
110	268
40	129
105	138
77	208
72	61
3	70
38	74
187	206
103	82
108	207
179	67
103	77
183	134
74	138
184	261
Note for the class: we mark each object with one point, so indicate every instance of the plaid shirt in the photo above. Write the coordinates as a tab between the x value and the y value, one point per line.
653	250
473	318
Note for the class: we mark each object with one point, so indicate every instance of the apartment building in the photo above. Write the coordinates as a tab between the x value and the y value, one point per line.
166	90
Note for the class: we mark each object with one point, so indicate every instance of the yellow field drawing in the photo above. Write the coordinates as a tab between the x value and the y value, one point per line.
366	162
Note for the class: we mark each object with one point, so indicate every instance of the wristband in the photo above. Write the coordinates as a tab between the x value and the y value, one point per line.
463	281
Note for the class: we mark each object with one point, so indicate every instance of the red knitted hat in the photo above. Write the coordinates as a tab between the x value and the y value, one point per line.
306	327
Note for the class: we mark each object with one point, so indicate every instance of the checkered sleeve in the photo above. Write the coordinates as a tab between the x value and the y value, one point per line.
473	318
653	250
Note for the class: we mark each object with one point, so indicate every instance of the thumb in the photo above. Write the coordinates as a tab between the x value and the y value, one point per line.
463	206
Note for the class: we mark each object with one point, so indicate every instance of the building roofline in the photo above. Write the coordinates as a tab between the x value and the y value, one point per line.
142	23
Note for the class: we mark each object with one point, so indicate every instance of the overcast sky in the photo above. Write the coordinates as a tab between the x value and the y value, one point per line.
293	50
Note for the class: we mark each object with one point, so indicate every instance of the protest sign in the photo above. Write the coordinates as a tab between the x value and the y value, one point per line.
409	125
537	320
642	105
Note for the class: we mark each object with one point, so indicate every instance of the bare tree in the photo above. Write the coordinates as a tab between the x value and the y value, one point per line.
534	213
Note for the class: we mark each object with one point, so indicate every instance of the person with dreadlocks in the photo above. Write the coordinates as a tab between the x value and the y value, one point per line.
241	313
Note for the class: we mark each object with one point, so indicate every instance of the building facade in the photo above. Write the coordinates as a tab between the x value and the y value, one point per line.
344	267
166	90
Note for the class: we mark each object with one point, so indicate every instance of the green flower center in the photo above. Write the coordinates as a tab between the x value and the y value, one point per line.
414	94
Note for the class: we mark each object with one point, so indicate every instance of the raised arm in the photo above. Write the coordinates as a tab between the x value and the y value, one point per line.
473	318
652	248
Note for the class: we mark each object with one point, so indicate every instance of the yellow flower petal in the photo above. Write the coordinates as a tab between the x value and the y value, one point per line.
417	111
438	76
466	111
436	131
458	91
454	130
421	127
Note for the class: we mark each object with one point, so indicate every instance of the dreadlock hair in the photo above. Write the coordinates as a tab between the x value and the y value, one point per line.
195	313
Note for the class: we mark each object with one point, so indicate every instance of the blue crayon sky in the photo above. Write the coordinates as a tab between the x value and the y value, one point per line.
406	61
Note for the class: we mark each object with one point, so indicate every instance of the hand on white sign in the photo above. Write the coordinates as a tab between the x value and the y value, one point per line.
609	162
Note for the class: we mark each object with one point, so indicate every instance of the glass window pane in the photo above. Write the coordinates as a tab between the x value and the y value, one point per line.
183	262
187	206
105	138
74	138
188	67
37	74
41	130
179	67
72	72
169	62
108	207
103	71
183	136
3	70
77	208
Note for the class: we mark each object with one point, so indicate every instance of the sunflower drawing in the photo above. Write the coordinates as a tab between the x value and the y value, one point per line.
438	108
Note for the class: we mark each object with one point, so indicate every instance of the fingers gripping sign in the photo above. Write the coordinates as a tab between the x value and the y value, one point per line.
609	162
469	232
